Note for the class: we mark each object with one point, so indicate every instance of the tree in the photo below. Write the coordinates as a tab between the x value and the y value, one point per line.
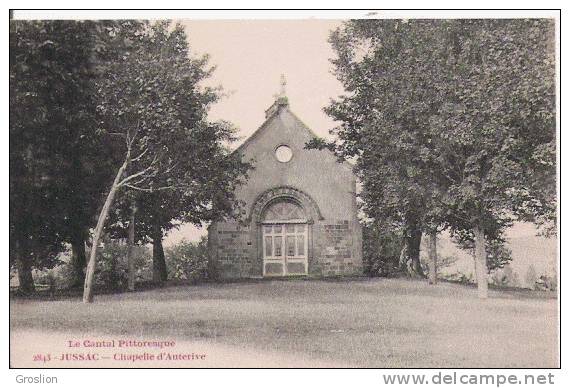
210	196
130	248
432	259
203	180
498	255
496	127
152	102
90	159
451	124
54	184
49	68
385	123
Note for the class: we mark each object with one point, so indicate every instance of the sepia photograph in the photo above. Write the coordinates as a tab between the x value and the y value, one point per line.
379	190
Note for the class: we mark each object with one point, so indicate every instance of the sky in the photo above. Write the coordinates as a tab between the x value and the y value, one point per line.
250	56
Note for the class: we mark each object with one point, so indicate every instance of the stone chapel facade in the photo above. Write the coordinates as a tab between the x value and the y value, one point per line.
301	212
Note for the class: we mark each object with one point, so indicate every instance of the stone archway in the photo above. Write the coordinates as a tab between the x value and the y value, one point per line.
282	219
309	206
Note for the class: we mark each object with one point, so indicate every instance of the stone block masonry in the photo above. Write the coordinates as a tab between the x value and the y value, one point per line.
232	253
335	252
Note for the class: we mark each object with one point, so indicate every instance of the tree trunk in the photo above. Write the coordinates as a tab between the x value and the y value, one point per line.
432	258
159	271
403	262
130	247
90	272
410	254
481	263
78	261
25	278
78	223
414	243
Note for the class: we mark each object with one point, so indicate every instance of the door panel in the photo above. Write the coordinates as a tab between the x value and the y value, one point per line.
273	269
284	249
298	268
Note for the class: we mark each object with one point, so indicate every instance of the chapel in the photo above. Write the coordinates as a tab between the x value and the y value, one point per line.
300	208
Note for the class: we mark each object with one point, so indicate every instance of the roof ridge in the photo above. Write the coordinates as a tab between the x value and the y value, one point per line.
256	133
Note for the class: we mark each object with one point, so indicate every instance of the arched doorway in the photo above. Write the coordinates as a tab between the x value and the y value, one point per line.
284	230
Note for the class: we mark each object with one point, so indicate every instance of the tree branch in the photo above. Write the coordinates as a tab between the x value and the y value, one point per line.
140	156
149	189
140	173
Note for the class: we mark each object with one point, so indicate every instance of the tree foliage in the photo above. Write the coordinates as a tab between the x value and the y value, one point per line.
175	164
451	122
55	155
184	171
106	110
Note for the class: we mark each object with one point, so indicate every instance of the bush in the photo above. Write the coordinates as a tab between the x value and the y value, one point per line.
531	277
458	277
56	277
505	277
47	278
187	260
381	251
546	283
111	272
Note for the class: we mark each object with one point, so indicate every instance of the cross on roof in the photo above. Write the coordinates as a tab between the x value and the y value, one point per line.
280	98
283	85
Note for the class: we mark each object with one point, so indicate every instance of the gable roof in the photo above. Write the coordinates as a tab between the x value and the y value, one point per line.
268	117
271	112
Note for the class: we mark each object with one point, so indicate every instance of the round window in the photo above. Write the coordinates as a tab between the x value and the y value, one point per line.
283	153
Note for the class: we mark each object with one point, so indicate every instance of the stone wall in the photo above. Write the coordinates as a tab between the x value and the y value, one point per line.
333	250
336	250
232	253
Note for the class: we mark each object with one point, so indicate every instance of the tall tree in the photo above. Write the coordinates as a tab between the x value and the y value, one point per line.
54	151
451	123
50	111
498	129
206	193
153	102
386	68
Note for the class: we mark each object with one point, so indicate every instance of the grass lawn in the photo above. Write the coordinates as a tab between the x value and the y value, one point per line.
358	322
